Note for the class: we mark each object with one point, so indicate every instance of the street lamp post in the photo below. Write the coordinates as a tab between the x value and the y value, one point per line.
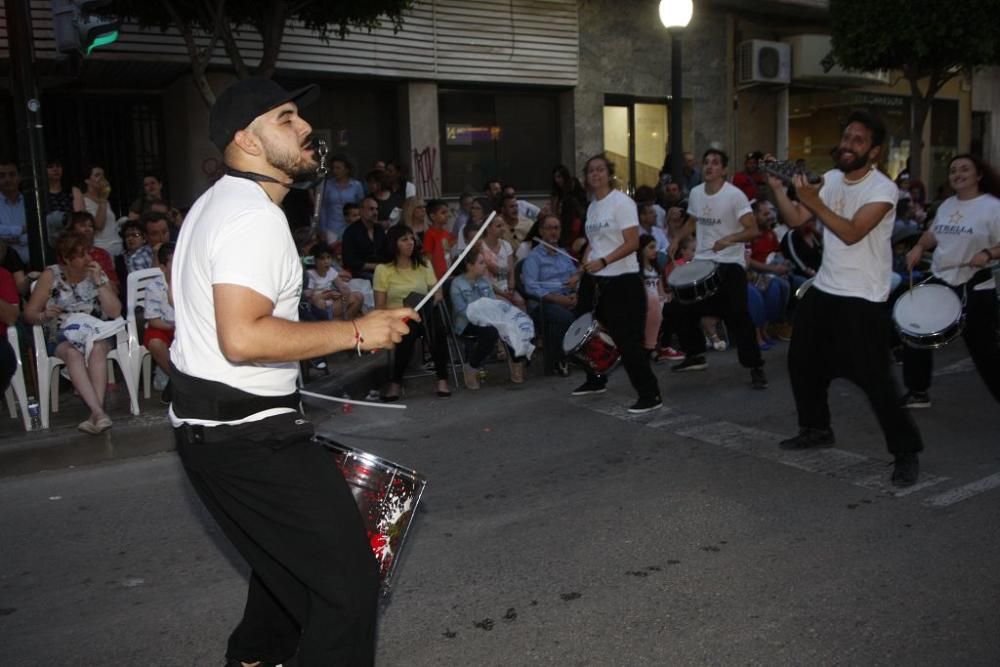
675	15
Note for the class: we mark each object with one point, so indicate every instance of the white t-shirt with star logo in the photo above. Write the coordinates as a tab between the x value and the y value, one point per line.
963	228
718	216
864	269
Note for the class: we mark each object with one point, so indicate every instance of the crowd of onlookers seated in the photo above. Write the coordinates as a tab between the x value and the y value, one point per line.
95	250
377	245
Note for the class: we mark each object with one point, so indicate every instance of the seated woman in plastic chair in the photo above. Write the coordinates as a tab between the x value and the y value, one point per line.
472	285
404	274
76	285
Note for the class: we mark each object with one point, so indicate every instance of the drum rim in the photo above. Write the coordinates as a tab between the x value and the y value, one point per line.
368	457
694	263
594	324
944	289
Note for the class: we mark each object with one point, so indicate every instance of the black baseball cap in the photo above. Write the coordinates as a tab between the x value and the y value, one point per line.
246	99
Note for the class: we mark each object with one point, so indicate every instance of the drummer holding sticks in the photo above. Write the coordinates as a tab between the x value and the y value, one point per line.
842	323
965	238
612	285
276	494
724	221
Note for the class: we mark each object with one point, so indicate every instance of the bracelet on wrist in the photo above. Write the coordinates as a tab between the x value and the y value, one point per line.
604	261
989	253
358	340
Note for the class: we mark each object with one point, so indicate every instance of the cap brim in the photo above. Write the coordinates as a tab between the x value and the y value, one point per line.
304	96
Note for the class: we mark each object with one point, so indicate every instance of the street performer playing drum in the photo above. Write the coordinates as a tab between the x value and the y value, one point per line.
965	237
724	221
842	324
277	496
612	286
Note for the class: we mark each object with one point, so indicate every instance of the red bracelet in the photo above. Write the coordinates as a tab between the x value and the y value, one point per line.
358	340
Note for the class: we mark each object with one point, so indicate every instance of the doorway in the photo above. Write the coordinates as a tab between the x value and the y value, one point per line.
635	139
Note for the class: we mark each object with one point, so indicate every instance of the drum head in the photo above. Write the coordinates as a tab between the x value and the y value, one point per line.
693	272
578	332
927	309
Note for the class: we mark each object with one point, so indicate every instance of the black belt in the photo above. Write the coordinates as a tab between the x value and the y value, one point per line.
197	398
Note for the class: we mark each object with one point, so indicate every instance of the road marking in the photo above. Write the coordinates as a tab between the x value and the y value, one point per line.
850	467
964	492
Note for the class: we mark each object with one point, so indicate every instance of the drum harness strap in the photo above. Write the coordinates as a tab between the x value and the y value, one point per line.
197	398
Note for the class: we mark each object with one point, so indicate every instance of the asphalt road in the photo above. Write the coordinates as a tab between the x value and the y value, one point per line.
560	531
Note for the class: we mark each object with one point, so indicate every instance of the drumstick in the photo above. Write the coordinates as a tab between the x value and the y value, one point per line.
454	265
370	404
558	250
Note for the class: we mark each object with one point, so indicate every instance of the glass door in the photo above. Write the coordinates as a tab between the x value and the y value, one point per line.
635	139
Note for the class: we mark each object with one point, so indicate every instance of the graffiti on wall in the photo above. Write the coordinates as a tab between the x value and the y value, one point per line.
425	175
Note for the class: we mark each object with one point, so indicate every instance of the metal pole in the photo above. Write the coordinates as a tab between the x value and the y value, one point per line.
30	139
676	110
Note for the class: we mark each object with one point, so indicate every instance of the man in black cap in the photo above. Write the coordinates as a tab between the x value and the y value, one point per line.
276	495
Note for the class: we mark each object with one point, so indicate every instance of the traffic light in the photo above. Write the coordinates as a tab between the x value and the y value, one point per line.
79	28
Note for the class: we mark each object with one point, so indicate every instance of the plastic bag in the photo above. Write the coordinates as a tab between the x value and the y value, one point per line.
515	327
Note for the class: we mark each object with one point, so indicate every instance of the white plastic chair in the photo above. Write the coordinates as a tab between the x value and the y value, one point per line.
16	388
48	366
139	357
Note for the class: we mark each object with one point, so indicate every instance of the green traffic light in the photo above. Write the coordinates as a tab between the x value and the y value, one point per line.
102	40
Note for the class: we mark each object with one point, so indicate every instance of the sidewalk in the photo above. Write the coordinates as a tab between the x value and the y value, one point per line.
62	445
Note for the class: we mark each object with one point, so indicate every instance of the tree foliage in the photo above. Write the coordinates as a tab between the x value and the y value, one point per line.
223	21
929	41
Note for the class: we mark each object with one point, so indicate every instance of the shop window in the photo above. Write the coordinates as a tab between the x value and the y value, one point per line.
510	135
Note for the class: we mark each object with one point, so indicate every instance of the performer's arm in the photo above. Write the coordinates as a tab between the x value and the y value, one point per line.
749	232
249	333
925	243
849	231
793	214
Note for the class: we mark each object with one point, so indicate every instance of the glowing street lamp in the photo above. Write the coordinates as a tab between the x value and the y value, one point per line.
675	15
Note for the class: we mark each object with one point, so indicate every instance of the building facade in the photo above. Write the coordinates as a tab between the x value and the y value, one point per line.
475	89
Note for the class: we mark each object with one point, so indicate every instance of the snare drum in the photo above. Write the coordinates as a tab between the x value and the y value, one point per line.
387	495
695	281
588	343
928	316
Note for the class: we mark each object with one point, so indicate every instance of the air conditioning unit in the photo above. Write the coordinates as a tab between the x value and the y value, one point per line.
764	62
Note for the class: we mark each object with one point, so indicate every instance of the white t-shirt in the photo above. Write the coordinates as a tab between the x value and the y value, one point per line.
864	269
606	220
719	216
234	234
963	228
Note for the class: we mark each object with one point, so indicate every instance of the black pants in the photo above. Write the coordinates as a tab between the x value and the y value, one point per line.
484	342
619	303
729	303
847	337
284	505
980	334
435	338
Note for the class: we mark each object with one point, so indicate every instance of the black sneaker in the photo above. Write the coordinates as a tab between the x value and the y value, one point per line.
905	470
917	399
757	378
318	363
598	386
691	363
646	405
809	438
